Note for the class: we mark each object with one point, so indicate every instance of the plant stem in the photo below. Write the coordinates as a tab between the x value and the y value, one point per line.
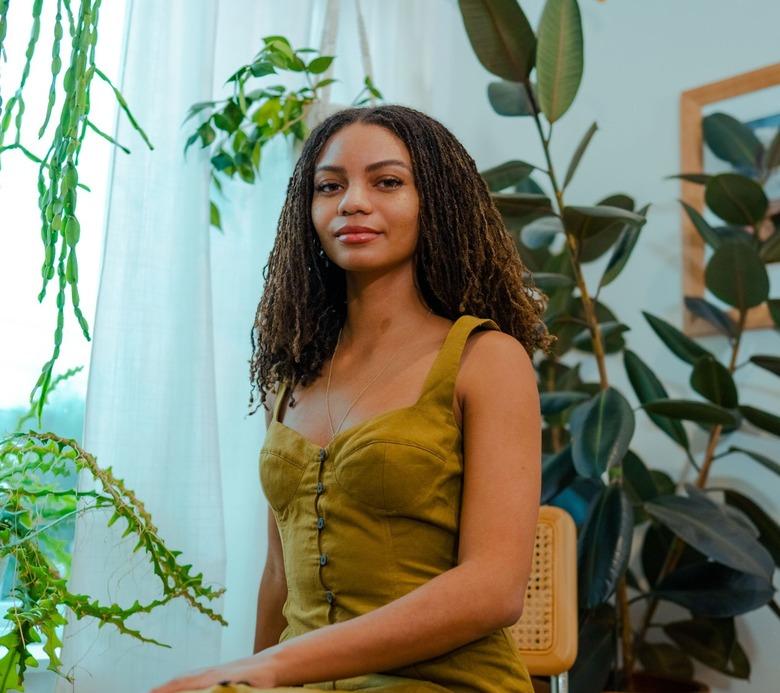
626	634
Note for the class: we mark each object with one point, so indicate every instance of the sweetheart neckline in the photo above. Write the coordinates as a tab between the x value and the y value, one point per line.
332	442
427	385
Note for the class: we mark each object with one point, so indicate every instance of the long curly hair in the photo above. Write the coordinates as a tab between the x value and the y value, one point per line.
466	262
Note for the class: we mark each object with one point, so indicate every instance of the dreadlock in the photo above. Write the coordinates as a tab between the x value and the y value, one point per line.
465	261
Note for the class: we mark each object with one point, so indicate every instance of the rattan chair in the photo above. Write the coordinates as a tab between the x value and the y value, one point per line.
546	633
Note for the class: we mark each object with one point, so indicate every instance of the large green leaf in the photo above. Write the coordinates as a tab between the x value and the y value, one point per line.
768	530
604	546
601	432
581	147
708	529
611	328
559	56
557	473
584	222
622	251
510	98
681	346
712	380
691	410
638	484
521	205
656	545
648	388
702	226
501	37
731	141
712	589
736	275
770	363
720	320
762	419
763	460
596	651
555	402
549	282
507	174
736	199
713	641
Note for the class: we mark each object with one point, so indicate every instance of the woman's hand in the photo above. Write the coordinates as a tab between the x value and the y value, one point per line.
255	671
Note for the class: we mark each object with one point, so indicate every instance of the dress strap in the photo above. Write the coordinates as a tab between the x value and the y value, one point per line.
280	395
440	384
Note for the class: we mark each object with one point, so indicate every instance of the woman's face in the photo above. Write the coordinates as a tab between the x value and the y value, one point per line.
363	177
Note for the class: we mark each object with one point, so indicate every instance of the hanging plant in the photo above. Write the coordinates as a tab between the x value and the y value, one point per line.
241	125
58	176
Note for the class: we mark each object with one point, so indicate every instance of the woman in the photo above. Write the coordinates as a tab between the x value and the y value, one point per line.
402	456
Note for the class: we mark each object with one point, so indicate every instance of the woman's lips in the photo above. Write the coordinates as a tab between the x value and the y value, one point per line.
354	238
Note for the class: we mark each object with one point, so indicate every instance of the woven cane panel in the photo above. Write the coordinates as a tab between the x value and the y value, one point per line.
534	631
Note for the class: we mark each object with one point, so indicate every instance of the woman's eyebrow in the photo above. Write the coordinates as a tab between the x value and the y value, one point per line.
370	167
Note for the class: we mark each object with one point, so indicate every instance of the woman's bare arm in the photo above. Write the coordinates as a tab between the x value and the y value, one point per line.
272	592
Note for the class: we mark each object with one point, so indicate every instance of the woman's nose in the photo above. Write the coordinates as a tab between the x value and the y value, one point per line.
355	199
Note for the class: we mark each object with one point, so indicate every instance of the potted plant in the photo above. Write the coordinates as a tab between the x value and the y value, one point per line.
714	559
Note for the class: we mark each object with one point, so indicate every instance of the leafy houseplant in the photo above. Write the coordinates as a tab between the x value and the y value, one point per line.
715	559
240	125
33	508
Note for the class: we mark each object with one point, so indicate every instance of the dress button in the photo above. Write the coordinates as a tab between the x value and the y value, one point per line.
320	487
323	454
330	597
323	558
320	522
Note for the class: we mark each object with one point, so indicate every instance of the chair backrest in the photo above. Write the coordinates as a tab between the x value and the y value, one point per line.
546	633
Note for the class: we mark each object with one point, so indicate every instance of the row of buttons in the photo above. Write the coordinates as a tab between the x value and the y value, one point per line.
329	596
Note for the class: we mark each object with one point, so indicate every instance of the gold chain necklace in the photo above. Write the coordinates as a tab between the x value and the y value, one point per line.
327	387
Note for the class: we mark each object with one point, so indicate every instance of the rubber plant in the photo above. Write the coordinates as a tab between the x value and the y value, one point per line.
589	466
33	506
239	126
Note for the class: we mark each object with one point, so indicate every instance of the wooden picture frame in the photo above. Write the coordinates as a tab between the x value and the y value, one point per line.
692	103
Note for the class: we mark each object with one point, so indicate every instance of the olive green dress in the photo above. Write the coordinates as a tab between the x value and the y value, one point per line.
374	515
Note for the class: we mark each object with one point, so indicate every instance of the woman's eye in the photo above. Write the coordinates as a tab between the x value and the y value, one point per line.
326	187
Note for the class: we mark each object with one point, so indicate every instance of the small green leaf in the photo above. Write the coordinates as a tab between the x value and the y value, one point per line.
736	275
510	98
581	147
691	410
559	56
712	380
736	199
731	141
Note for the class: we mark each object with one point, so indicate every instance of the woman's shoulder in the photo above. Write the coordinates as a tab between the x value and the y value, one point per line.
495	357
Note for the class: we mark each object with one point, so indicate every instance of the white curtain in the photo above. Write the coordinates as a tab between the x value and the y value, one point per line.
168	386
